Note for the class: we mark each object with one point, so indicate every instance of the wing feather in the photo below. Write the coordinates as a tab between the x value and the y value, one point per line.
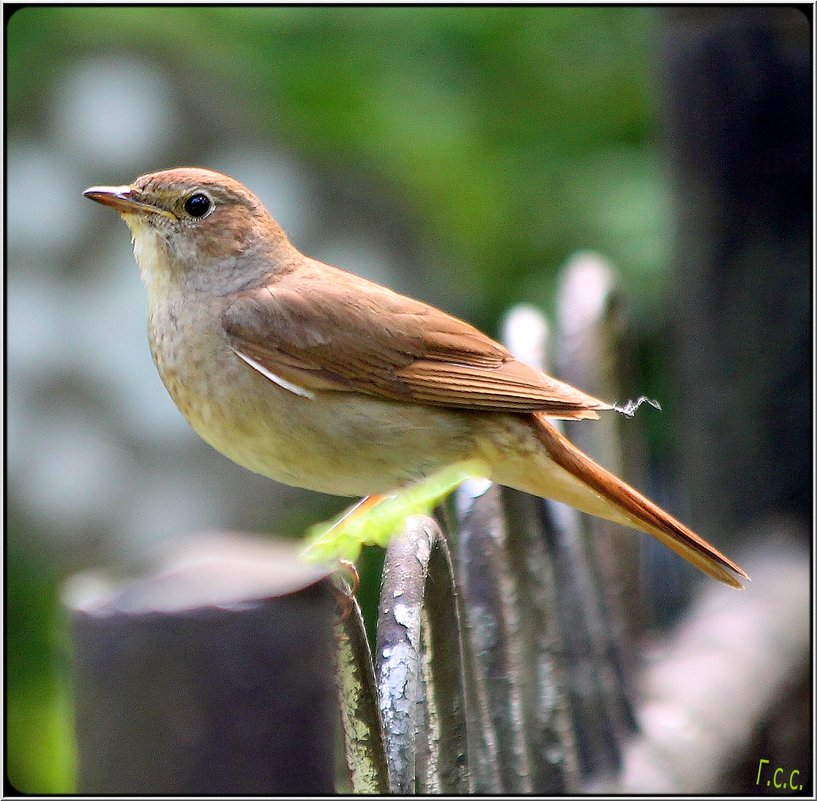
306	331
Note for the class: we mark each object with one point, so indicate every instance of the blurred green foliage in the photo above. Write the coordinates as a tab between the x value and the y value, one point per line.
513	136
40	749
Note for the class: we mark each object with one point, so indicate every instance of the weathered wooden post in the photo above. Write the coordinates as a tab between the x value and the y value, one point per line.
213	675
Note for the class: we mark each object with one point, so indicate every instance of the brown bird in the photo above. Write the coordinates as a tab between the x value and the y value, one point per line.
318	378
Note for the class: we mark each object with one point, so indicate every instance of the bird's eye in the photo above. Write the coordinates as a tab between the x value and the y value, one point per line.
197	205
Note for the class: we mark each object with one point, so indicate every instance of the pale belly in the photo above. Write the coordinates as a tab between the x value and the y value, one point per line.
337	442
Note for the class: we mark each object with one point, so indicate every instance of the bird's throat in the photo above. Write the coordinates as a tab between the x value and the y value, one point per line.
152	256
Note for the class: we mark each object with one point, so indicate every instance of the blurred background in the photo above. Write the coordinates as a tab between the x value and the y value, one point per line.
459	155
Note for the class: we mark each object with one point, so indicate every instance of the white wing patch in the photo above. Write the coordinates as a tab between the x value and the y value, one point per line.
276	379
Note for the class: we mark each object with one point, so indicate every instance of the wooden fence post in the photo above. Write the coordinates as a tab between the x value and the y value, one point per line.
419	662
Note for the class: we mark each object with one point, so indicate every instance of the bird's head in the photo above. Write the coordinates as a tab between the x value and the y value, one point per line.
196	227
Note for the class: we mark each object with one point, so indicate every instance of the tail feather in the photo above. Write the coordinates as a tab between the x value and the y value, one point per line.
633	509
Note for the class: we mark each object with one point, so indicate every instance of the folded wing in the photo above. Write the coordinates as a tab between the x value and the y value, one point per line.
308	333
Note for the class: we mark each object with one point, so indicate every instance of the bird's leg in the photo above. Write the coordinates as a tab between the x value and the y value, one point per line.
376	518
346	578
365	504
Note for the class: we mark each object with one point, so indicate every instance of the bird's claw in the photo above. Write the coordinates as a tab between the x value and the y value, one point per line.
346	581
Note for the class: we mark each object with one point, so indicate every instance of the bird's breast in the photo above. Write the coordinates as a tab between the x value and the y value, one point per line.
343	443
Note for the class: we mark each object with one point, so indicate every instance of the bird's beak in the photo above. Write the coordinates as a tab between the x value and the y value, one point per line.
121	198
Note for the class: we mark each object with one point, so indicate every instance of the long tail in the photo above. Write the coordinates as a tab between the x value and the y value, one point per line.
632	508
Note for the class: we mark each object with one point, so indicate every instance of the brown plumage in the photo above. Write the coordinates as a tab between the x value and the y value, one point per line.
303	328
319	378
633	509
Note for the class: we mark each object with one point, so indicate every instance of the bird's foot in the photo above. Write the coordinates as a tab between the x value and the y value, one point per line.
345	581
